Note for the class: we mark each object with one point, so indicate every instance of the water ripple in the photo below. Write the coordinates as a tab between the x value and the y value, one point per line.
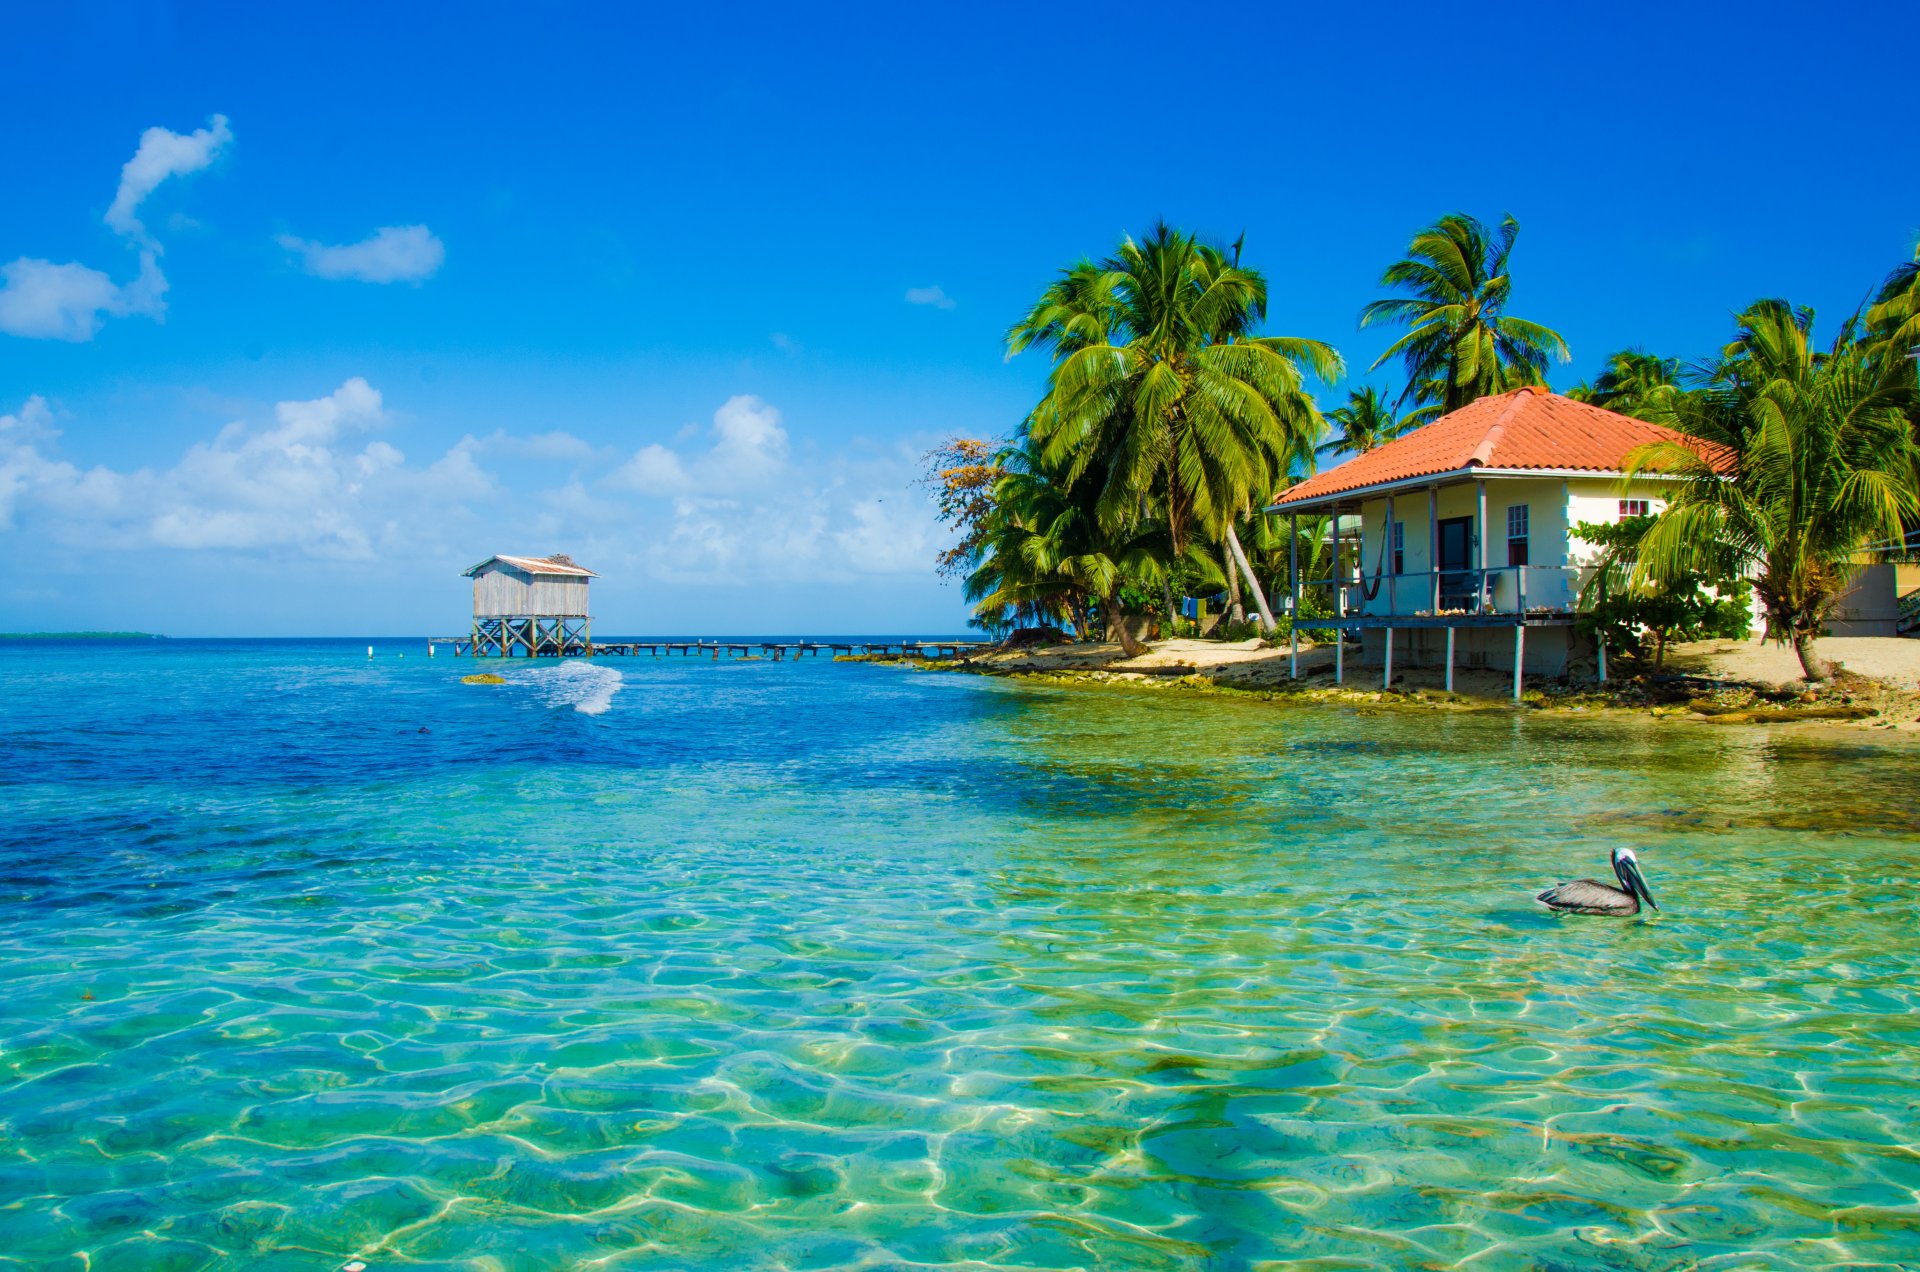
804	966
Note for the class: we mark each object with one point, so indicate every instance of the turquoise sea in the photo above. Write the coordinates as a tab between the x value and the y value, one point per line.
673	964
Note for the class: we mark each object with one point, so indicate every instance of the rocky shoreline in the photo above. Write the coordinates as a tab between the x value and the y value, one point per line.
1848	700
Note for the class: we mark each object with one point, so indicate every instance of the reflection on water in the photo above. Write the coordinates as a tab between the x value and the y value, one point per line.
804	966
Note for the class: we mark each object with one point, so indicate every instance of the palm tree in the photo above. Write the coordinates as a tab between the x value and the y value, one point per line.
1893	324
1816	458
1894	320
1044	553
1161	392
1631	381
1367	422
1461	344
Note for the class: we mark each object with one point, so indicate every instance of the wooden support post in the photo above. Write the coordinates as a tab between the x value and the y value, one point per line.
1386	678
1600	649
1433	544
1340	611
1449	660
1393	566
1293	599
1480	499
1519	656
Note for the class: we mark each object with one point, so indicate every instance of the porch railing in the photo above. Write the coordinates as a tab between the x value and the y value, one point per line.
1497	590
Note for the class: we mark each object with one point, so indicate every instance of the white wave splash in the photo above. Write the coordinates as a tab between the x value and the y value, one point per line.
586	687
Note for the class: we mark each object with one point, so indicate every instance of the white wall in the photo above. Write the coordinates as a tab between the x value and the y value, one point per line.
1598	500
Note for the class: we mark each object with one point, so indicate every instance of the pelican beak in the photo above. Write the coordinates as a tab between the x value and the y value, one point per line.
1630	871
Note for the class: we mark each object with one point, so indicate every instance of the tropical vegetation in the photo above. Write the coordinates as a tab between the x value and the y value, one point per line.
1170	416
1631	382
1630	611
1794	458
1461	343
1367	422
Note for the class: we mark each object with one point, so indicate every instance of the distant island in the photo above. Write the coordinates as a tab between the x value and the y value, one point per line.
80	636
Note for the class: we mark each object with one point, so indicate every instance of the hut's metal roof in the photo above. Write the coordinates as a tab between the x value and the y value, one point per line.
535	565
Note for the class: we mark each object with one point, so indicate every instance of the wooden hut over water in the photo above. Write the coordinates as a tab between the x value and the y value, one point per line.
533	605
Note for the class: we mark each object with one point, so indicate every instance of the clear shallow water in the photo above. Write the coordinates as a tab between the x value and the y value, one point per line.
800	965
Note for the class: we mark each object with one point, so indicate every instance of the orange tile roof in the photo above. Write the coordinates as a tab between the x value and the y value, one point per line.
1525	428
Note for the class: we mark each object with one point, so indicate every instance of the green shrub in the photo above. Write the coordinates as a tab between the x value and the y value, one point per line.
1688	607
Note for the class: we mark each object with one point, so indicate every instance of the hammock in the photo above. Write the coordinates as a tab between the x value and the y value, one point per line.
1379	568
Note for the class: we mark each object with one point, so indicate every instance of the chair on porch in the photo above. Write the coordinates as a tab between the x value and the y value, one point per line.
1461	591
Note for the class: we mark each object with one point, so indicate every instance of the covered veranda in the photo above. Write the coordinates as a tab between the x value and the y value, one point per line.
1459	592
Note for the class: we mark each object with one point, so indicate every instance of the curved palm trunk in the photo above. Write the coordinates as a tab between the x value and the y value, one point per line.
1117	625
1253	584
1799	623
1815	667
1236	612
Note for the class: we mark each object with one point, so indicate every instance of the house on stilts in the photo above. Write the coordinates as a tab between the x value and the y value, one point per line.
1466	553
536	606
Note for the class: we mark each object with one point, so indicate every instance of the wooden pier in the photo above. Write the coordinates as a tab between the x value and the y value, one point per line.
463	646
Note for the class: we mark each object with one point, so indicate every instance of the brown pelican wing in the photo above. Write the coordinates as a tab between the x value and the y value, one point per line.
1590	896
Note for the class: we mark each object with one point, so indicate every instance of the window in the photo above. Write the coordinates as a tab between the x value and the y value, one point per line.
1634	508
1399	547
1516	534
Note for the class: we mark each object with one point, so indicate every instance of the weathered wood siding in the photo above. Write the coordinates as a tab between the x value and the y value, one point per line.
501	591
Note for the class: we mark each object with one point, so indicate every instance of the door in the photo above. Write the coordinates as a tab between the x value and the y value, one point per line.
1456	560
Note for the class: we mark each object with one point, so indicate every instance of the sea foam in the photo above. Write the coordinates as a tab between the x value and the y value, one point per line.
586	687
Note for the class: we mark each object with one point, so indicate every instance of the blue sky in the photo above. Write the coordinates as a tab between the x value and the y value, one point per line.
687	293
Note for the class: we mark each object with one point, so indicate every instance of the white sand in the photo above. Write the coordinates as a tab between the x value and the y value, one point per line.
1896	661
1893	659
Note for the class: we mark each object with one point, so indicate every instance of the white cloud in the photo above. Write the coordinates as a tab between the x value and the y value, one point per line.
751	441
744	510
888	540
391	254
303	483
323	479
354	405
28	476
653	470
21	464
162	154
557	445
934	296
44	301
749	447
290	484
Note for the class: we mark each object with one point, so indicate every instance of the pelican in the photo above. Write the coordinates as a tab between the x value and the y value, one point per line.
1590	896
